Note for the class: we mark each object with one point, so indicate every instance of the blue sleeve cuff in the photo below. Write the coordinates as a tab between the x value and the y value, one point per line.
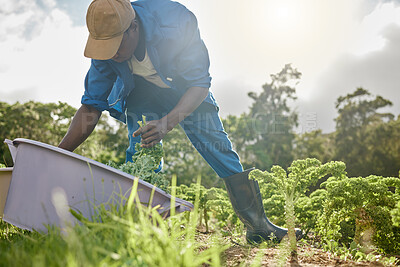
97	104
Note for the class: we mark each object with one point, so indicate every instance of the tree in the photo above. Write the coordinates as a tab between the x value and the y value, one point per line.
358	115
262	137
314	144
182	159
273	120
240	131
107	142
49	122
33	120
383	139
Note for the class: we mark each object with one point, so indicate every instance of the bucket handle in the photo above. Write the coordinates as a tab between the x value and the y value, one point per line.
12	148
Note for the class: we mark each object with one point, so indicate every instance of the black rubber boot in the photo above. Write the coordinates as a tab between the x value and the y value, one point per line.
246	200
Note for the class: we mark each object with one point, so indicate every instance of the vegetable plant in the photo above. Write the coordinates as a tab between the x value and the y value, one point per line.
308	209
292	185
396	215
189	193
221	208
358	210
145	162
213	201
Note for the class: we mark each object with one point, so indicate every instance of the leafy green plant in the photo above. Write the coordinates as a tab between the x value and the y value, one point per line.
221	208
212	202
396	215
155	151
359	209
189	193
308	209
292	185
355	253
145	162
2	165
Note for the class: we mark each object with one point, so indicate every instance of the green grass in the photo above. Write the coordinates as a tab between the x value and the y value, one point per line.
125	235
121	235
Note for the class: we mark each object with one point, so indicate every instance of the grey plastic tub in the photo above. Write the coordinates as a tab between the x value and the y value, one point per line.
47	181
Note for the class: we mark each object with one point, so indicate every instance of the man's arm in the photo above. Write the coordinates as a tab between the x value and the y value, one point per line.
155	130
192	66
82	125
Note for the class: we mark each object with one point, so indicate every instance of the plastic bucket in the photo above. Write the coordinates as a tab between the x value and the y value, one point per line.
5	179
43	173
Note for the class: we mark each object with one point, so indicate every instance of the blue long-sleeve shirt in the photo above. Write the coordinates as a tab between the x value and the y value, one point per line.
175	48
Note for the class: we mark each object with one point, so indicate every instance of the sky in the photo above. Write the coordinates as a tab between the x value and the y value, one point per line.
337	45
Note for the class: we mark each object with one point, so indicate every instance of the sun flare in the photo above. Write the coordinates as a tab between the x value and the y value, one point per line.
284	13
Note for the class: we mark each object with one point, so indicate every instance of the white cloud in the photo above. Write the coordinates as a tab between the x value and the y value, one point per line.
42	54
251	41
377	71
328	41
368	35
22	18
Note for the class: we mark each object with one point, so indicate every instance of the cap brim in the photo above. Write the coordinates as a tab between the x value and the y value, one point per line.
102	49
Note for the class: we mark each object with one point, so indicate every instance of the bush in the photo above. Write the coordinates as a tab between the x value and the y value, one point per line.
358	209
214	201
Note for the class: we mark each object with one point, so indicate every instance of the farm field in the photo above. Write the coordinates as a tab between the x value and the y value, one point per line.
33	249
122	235
351	221
341	188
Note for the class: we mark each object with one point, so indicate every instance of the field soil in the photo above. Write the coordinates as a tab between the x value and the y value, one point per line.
237	255
242	254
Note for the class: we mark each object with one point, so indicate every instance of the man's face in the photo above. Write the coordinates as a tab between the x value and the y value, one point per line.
128	44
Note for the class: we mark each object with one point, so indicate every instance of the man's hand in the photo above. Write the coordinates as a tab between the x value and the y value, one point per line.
152	133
